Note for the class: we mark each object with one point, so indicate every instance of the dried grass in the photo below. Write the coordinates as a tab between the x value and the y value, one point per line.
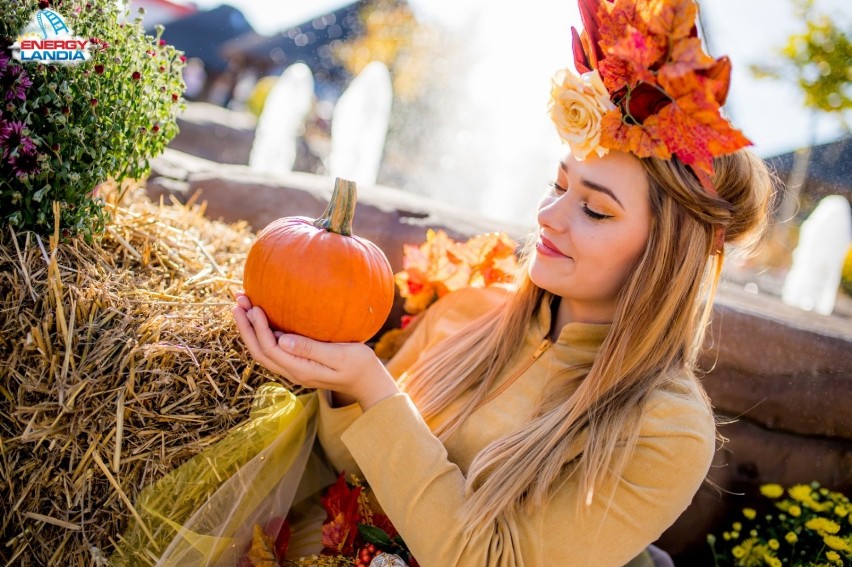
119	360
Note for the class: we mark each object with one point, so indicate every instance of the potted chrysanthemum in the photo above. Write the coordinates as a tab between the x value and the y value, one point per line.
805	525
85	97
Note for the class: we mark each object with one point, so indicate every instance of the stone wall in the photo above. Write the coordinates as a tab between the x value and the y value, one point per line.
778	376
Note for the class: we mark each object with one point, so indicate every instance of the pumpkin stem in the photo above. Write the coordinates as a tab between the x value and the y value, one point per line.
338	214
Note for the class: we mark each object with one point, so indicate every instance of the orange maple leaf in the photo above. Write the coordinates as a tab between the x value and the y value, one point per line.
622	16
262	550
687	56
694	130
642	140
674	19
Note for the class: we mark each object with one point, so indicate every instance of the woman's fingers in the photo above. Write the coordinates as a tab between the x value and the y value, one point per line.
243	301
249	334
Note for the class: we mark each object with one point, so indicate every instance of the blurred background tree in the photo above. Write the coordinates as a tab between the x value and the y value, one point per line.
818	60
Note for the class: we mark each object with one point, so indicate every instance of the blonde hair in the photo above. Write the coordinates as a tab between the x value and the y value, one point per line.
656	334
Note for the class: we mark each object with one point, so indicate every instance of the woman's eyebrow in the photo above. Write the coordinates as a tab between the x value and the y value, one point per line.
592	185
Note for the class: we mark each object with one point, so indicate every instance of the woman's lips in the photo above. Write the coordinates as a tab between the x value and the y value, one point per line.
547	248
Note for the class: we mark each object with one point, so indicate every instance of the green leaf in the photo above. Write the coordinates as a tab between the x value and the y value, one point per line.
374	535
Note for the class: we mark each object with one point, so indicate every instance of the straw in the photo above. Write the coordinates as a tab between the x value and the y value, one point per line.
119	360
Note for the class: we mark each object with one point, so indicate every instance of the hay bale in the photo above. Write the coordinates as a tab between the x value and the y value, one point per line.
119	360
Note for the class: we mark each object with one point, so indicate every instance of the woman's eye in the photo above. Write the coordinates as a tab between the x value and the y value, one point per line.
558	189
594	214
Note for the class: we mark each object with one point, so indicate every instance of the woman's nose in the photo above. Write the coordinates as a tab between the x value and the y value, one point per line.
552	214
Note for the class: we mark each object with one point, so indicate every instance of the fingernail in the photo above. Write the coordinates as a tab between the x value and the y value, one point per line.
250	314
287	343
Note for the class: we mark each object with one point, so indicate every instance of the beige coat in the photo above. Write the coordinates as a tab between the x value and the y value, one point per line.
420	482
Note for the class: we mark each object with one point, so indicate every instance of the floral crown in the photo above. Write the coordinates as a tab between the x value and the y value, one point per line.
644	85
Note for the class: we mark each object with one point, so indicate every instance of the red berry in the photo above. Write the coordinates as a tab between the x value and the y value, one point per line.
155	128
371	548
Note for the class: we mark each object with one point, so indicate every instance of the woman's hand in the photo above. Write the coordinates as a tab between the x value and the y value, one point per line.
351	369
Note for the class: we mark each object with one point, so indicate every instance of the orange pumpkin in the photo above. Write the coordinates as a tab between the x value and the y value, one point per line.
315	278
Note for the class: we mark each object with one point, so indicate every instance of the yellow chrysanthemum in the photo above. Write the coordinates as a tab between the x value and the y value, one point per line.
737	526
774	544
800	492
772	490
791	537
822	526
738	552
834	557
836	543
771	560
749	513
795	511
840	511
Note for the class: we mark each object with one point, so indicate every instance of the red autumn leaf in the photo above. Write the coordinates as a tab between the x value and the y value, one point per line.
278	529
581	60
262	550
674	19
694	130
590	38
341	525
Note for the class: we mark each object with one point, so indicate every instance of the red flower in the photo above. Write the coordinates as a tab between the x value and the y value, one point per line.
136	75
183	58
43	4
162	42
99	69
155	128
174	97
93	102
341	525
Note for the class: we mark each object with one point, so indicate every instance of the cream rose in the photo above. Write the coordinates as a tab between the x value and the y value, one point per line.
577	105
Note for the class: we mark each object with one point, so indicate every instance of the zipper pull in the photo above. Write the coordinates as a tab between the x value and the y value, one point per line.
545	344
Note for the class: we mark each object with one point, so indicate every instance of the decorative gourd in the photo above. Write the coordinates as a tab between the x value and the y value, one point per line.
315	278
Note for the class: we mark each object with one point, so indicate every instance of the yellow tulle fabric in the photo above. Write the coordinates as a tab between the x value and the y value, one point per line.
203	512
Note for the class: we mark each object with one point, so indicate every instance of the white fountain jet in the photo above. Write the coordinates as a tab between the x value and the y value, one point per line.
359	126
818	259
280	123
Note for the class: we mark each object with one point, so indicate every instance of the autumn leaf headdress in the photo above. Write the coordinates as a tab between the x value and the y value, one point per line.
644	85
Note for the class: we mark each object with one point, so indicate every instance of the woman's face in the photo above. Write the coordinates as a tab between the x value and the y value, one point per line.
593	224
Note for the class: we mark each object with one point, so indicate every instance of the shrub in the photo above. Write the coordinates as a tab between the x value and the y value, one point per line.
64	129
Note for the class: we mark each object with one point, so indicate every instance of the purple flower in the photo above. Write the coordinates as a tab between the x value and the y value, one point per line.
4	61
15	82
25	163
12	138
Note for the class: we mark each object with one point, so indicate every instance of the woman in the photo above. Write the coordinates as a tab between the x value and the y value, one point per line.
561	422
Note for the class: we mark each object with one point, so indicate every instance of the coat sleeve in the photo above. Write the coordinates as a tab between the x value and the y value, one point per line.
423	492
445	317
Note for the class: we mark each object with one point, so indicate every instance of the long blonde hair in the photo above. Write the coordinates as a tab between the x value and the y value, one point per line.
656	333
